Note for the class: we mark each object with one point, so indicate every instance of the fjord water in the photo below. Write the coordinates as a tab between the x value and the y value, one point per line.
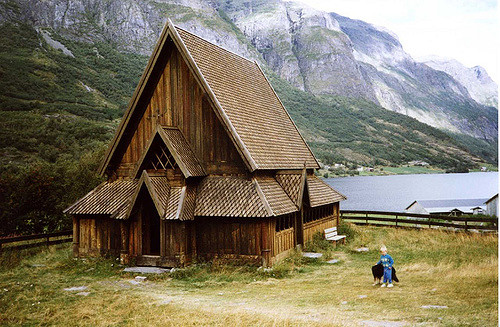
396	192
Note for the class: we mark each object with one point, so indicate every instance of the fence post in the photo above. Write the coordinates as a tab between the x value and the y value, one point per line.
466	229
366	215
429	221
396	220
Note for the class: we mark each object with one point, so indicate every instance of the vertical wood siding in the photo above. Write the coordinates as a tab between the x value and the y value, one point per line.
220	236
179	101
320	225
99	236
284	240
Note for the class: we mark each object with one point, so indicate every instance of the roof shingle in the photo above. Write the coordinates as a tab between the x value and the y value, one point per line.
106	199
275	196
228	196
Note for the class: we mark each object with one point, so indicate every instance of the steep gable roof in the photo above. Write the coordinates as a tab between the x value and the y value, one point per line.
244	101
180	149
251	105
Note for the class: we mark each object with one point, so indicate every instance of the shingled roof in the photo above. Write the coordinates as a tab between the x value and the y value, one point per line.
180	149
321	193
245	102
253	108
109	198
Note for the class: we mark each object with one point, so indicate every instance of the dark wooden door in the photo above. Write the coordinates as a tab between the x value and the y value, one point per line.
299	227
150	229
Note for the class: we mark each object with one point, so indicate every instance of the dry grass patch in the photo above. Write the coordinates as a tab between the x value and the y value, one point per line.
435	268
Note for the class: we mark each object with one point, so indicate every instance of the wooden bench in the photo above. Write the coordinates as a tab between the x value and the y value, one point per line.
331	235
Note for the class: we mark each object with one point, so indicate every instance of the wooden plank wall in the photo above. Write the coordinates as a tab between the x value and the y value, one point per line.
320	225
179	101
232	236
284	240
99	236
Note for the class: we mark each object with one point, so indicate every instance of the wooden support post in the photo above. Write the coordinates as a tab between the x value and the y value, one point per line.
396	220
124	256
76	237
265	249
366	215
429	222
466	227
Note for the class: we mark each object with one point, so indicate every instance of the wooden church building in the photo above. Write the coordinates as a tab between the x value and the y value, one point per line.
205	163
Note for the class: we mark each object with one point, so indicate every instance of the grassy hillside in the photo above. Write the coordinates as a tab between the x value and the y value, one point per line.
341	129
52	104
454	270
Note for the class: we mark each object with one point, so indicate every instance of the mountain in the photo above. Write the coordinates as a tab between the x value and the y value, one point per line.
475	79
325	53
69	67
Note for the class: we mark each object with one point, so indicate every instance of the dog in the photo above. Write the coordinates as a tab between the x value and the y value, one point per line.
378	273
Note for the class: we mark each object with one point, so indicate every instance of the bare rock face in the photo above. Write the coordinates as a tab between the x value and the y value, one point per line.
132	25
415	89
477	81
303	45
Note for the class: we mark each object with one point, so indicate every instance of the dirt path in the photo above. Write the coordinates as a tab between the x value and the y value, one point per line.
268	298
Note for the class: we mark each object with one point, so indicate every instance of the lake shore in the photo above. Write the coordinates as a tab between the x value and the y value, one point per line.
390	170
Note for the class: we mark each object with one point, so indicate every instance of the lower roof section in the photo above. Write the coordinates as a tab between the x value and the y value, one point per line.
109	198
229	196
321	193
213	196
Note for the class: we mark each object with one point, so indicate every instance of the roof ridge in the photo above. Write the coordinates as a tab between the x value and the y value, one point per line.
213	44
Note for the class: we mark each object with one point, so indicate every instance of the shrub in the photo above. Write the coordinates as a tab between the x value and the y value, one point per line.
347	229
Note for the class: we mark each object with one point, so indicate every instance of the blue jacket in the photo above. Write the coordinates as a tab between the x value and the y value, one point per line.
386	261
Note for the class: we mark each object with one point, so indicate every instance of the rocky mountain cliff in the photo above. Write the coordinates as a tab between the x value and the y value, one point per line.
475	79
415	89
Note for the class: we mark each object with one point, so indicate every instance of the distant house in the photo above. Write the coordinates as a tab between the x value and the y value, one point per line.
478	211
455	207
492	206
418	163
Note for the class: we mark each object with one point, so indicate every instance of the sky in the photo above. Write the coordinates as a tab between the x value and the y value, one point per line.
465	30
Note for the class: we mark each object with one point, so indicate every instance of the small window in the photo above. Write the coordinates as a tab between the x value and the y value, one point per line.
317	213
284	222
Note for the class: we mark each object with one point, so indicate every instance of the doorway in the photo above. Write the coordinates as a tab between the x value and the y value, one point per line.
150	228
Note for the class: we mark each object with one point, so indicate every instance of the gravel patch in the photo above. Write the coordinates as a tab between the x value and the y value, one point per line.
430	306
147	270
75	288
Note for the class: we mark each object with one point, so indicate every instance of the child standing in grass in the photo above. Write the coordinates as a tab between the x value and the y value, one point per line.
386	261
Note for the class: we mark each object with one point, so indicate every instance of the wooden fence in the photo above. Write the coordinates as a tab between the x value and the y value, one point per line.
20	242
413	220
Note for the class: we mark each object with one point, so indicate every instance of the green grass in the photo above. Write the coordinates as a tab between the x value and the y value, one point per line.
412	170
434	267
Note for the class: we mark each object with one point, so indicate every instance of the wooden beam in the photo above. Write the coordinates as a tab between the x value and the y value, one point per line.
76	237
